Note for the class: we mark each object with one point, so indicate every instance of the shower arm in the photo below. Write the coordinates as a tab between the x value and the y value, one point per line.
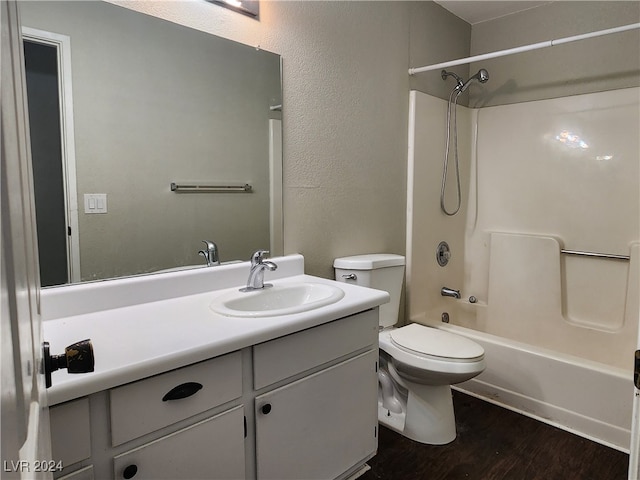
444	74
481	76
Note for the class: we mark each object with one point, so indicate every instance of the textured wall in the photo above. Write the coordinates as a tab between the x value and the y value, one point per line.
432	27
587	66
345	111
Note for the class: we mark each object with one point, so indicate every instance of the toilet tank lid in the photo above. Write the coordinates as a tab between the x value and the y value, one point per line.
370	261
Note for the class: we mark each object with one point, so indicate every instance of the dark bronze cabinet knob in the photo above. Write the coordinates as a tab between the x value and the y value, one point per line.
77	358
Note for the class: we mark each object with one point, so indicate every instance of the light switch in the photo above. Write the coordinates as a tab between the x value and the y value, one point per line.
95	203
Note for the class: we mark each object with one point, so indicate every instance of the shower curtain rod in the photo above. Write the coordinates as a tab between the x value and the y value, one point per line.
525	48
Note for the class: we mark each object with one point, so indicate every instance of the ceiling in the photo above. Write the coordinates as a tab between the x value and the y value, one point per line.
480	10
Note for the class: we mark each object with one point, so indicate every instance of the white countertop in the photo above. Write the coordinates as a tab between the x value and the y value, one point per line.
137	340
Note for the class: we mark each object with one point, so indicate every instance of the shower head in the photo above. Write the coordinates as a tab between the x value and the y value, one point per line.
482	76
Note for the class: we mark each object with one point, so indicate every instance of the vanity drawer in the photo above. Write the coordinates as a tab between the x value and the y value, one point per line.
85	473
147	405
212	449
287	356
70	431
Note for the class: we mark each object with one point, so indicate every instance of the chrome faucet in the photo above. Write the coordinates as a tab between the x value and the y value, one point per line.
210	254
256	273
450	292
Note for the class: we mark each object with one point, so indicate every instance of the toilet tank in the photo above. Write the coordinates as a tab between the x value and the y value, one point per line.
382	271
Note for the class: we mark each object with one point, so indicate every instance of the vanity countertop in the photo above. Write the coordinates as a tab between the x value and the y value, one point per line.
138	340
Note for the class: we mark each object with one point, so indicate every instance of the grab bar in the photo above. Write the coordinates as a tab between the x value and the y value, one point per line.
613	256
193	188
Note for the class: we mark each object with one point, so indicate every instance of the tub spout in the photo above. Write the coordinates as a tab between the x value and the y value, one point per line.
450	292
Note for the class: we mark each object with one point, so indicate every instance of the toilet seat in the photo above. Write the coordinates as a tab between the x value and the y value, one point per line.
431	369
432	342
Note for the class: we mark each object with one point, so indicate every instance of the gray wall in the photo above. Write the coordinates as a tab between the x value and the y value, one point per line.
592	65
437	36
346	99
345	112
155	103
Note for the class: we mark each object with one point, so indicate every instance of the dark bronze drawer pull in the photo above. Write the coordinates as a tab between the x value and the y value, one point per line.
182	391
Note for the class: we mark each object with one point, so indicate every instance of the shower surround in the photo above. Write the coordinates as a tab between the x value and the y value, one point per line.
539	179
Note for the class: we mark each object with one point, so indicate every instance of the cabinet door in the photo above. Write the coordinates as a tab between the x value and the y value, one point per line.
70	432
211	449
320	426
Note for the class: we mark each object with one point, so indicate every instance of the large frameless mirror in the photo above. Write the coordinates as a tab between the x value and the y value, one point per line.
122	105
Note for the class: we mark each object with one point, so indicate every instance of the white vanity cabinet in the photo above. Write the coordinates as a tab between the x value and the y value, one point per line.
71	437
300	406
320	426
186	423
323	423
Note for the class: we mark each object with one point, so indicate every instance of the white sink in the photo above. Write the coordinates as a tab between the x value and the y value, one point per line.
277	300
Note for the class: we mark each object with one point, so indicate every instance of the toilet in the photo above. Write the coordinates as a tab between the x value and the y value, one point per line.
418	364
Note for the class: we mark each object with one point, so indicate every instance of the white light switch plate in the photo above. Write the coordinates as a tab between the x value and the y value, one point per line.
95	203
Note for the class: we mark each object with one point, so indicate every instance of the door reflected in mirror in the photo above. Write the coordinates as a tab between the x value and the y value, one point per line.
122	105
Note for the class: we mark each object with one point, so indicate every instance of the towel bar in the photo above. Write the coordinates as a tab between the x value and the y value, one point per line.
597	255
195	188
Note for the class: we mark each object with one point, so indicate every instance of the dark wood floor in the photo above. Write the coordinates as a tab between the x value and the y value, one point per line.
496	444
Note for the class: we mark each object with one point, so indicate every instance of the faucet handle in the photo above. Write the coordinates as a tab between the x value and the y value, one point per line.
258	256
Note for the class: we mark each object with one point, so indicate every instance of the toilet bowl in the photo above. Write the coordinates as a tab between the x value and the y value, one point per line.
422	364
418	364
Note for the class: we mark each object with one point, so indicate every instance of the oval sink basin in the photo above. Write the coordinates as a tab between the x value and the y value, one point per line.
277	300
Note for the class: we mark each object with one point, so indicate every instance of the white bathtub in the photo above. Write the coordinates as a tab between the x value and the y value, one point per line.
584	397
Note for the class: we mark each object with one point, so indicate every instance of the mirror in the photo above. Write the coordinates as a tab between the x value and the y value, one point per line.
153	103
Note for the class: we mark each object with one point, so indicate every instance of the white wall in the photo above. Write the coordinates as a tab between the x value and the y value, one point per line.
529	194
428	226
537	195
